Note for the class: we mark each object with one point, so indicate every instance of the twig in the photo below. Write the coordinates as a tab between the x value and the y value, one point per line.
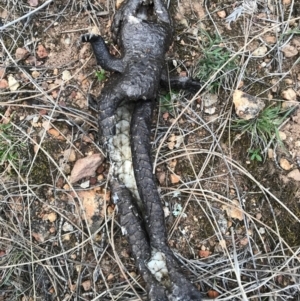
25	16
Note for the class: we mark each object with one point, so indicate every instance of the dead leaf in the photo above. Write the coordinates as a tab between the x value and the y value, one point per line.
234	210
85	167
53	132
174	178
94	206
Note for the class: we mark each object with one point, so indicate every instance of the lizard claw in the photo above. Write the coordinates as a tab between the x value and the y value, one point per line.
89	37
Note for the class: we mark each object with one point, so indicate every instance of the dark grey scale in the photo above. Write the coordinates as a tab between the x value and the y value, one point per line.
144	34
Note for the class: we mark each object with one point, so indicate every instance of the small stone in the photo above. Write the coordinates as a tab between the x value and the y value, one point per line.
289	104
70	155
67	227
2	72
209	99
88	139
66	187
41	52
21	53
35	74
289	51
262	230
85	184
282	135
166	211
285	164
110	211
270	153
86	285
260	51
52	230
296	42
125	253
66	75
221	14
110	277
289	94
204	253
66	168
247	106
133	274
212	294
244	241
294	174
13	83
52	217
33	3
210	111
60	182
93	181
3	84
269	39
288	81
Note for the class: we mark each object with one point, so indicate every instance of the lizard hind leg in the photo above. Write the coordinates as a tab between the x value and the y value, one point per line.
162	12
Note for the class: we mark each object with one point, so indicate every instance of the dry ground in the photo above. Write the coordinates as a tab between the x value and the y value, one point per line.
233	220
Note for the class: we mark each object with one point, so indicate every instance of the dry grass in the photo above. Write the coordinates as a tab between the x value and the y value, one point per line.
237	211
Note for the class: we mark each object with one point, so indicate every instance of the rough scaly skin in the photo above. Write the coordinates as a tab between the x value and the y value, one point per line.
138	75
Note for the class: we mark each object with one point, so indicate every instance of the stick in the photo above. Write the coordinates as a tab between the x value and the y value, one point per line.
25	16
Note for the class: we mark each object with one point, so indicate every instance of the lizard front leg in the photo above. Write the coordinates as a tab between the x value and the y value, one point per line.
103	57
